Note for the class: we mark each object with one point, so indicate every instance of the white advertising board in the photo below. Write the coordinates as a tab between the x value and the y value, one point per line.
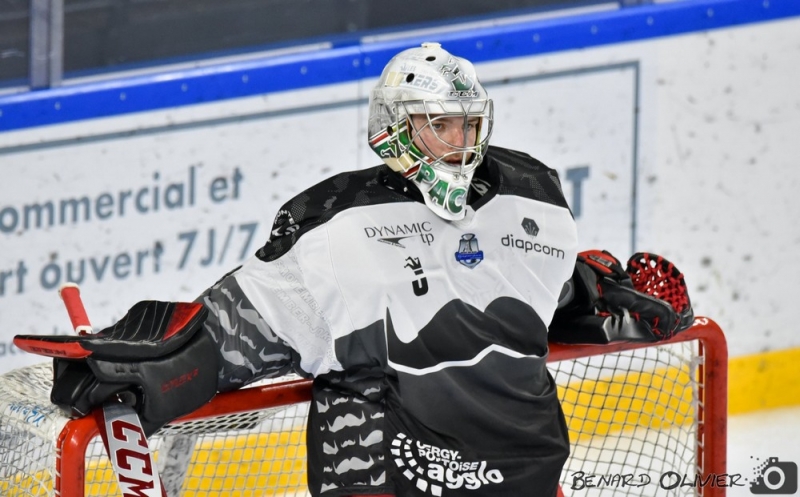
648	143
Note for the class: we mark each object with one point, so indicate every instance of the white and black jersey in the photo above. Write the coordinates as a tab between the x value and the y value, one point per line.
427	338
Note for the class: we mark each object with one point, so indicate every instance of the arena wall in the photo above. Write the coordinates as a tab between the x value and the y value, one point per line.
673	127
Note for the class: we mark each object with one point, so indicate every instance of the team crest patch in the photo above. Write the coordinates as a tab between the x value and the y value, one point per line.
468	252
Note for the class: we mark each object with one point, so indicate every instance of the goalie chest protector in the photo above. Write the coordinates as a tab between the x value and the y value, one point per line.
427	338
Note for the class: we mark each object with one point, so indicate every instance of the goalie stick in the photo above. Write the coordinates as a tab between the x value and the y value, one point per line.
122	433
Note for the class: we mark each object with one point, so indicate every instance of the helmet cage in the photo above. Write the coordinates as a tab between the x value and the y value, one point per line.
407	136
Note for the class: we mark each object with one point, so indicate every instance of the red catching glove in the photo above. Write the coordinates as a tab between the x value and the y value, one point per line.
647	301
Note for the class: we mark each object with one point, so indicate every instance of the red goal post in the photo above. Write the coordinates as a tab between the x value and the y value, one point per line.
632	409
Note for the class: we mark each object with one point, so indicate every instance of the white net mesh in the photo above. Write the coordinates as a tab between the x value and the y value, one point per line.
29	425
629	413
633	419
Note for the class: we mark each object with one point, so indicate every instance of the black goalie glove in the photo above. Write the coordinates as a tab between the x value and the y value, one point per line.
645	302
157	358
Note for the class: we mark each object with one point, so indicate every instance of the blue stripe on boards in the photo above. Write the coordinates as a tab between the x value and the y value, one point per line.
353	62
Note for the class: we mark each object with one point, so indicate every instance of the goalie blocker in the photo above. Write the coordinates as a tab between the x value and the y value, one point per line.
646	302
156	358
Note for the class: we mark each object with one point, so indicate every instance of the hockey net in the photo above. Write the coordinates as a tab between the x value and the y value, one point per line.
640	416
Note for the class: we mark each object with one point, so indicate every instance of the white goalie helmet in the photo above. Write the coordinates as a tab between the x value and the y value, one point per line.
430	120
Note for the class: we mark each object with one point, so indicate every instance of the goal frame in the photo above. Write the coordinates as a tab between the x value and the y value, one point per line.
77	434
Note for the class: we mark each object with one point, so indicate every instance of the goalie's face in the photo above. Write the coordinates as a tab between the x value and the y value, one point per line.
445	138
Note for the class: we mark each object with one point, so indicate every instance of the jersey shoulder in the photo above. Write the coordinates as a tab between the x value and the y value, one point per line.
320	203
524	176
